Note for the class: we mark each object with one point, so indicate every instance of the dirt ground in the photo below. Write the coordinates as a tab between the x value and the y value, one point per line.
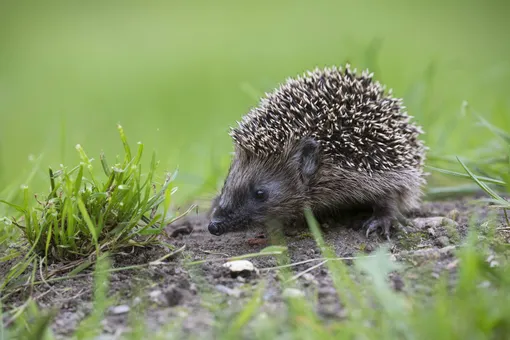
183	298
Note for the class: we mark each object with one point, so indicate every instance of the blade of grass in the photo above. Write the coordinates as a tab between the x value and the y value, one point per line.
482	185
89	223
458	174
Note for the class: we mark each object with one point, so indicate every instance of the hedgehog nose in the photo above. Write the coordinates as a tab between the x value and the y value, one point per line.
215	228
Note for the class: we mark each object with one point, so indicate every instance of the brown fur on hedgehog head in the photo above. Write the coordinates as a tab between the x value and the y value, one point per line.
261	188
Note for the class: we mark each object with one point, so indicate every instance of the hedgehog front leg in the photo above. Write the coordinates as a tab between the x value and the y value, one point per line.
384	217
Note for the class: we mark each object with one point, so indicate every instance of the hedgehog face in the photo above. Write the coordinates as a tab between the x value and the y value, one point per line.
259	189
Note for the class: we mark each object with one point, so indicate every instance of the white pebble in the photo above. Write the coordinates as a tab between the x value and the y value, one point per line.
240	266
122	309
290	293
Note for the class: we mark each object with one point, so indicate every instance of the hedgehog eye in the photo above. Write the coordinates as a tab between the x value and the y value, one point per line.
260	195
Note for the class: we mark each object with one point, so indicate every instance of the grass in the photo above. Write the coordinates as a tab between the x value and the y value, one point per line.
82	215
494	165
85	215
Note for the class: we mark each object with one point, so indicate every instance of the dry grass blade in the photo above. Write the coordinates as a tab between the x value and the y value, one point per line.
298	275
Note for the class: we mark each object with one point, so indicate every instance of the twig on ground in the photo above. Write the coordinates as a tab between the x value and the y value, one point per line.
298	275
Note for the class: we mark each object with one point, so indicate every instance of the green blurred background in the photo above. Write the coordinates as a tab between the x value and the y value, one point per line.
177	74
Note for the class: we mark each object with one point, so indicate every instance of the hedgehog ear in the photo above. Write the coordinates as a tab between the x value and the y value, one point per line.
307	156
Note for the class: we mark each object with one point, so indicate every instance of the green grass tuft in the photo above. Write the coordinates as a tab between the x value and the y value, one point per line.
85	214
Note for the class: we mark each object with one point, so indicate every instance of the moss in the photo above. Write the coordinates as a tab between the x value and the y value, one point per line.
451	230
304	235
408	241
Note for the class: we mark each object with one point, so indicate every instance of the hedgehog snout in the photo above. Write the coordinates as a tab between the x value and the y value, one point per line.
216	228
216	225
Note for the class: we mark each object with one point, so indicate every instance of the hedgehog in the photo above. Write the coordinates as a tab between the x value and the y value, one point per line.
328	140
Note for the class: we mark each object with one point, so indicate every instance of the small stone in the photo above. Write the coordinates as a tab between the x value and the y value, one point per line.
369	248
427	222
183	284
397	283
330	310
242	268
447	250
492	261
155	294
452	265
229	291
308	277
290	293
443	241
453	215
193	289
326	291
117	310
434	223
447	222
173	296
431	231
